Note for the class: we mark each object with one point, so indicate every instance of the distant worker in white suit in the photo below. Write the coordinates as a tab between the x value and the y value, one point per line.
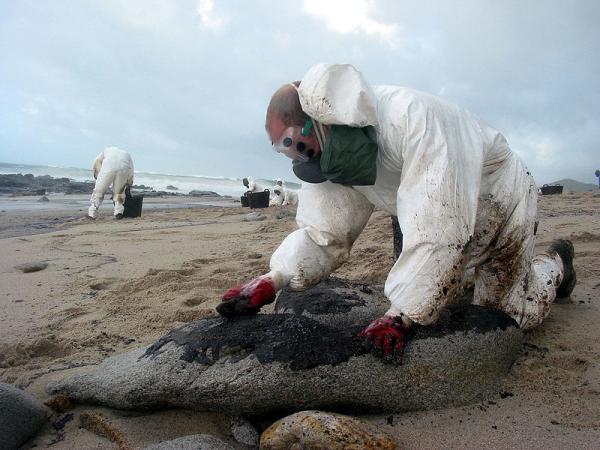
278	195
252	185
112	167
290	197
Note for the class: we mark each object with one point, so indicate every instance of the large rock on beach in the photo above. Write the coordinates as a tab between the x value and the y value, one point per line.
21	416
320	430
308	358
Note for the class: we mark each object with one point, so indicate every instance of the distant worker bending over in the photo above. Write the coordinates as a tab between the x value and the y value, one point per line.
252	185
463	200
112	167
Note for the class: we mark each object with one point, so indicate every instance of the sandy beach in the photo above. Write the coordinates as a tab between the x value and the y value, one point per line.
111	286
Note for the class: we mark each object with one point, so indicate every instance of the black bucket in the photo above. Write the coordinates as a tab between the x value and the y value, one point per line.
259	199
132	205
551	189
245	200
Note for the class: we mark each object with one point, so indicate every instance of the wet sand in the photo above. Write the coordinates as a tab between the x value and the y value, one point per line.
23	215
111	286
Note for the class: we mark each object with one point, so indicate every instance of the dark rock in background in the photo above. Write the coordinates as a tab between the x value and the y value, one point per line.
32	266
18	184
203	194
80	187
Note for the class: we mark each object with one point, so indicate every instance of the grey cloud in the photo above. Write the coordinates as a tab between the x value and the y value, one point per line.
184	98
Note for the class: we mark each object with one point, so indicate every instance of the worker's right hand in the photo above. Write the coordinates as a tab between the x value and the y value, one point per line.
247	299
385	337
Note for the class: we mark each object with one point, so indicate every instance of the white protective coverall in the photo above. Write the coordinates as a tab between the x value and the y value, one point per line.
463	199
278	196
287	196
112	167
253	186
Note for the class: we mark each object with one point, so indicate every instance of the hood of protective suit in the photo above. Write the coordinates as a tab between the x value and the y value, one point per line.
337	94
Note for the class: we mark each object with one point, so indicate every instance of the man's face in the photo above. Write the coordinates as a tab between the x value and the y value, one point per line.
306	145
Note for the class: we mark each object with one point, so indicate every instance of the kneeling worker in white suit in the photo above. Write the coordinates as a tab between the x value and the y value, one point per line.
278	196
282	195
463	200
112	167
289	195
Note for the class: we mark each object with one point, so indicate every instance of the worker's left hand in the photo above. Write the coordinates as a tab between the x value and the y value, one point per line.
385	337
248	298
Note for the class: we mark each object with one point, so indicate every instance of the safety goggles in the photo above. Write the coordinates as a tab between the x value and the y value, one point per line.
291	145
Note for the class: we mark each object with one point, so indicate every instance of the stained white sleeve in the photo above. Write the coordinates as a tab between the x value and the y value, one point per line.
437	206
330	217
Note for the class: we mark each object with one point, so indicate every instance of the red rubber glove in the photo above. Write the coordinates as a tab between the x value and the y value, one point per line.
247	299
385	337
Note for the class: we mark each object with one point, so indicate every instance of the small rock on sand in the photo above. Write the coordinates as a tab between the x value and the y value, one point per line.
282	213
21	417
43	199
244	432
254	217
316	429
31	266
193	442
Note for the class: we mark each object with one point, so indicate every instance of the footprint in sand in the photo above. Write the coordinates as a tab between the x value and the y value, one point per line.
194	300
102	285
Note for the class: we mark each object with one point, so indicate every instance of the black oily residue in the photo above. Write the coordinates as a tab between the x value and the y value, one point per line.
303	342
300	341
322	299
457	318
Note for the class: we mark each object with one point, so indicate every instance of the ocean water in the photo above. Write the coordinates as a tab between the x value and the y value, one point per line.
158	181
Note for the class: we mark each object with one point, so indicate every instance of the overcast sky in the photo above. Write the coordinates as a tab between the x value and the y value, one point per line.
183	84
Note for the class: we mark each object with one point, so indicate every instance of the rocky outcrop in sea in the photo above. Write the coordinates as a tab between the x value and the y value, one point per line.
28	184
16	184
